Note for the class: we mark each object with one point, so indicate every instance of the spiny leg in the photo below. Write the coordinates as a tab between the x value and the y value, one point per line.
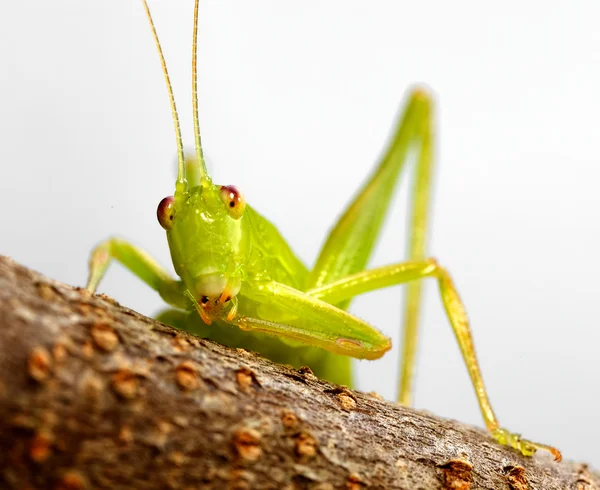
351	241
417	249
381	277
141	264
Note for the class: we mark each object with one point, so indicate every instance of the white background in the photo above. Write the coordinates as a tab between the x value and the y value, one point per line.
296	101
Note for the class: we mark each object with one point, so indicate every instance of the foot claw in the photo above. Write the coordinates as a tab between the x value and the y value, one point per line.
555	452
527	448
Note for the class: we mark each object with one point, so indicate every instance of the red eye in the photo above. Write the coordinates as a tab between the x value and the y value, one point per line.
234	200
166	212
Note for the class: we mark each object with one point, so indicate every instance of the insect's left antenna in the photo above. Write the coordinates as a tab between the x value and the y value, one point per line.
181	181
205	178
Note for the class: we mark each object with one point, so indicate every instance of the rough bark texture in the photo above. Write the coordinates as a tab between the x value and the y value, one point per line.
93	395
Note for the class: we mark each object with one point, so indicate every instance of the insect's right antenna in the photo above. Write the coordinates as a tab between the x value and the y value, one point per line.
180	157
205	178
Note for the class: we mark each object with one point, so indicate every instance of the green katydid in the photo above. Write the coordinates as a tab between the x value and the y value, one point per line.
241	284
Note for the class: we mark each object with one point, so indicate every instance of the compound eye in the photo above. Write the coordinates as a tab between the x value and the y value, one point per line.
166	212
234	200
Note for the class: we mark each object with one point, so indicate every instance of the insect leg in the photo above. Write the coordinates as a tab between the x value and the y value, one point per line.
417	249
390	275
350	243
140	263
280	310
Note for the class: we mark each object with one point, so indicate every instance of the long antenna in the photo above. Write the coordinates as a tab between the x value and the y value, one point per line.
180	156
205	178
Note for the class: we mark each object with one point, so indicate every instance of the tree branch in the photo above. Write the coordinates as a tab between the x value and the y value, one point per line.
93	395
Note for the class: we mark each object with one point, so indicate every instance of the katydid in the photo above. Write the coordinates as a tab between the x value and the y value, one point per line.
241	284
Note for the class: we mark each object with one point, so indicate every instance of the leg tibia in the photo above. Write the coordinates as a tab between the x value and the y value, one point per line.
417	249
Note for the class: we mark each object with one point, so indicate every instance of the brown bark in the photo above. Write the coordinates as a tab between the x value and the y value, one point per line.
93	395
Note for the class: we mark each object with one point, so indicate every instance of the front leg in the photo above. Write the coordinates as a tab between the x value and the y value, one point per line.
141	264
277	309
410	271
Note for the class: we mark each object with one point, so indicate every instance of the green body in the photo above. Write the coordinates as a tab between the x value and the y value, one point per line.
250	250
241	284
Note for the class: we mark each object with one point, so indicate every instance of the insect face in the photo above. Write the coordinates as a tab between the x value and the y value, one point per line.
208	244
